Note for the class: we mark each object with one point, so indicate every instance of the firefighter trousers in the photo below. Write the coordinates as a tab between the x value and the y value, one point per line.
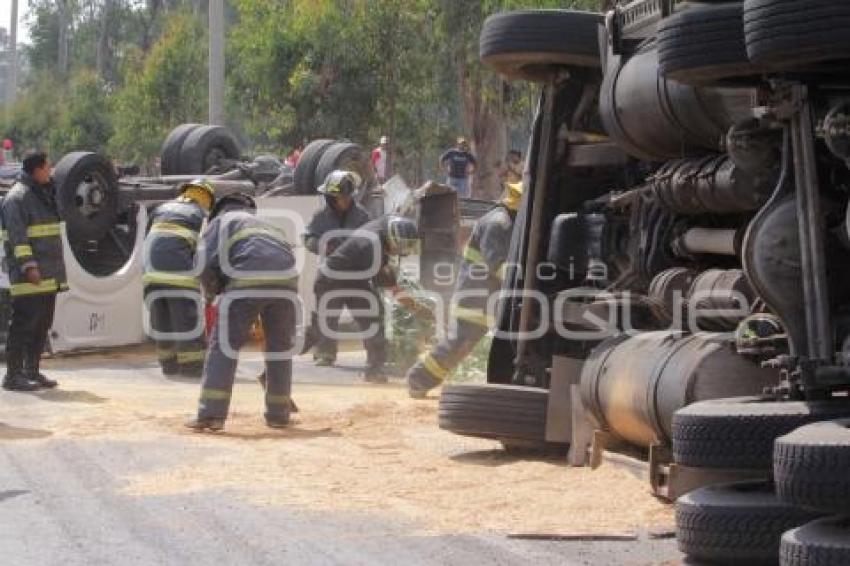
32	317
231	332
435	366
366	308
174	315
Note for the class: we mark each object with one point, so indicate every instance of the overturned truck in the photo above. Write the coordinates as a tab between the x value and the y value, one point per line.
678	286
104	209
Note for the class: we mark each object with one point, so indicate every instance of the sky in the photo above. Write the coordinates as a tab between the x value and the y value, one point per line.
6	17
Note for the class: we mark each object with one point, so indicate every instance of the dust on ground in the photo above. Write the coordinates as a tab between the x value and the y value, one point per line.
353	448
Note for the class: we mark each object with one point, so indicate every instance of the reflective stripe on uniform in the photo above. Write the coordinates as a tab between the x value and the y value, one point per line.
48	230
248	282
190	357
171	280
473	316
23	251
4	235
279	400
165	355
472	255
46	286
502	271
215	394
172	229
433	367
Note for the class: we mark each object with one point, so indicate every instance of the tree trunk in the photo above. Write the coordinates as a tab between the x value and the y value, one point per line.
103	56
64	14
486	123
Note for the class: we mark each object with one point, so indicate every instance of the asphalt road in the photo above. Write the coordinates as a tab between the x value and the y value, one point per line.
63	501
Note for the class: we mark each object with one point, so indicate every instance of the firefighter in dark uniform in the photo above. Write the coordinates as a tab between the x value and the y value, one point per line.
341	212
480	275
33	245
366	251
249	264
170	247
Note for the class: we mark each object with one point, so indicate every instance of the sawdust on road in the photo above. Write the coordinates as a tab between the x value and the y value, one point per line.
353	448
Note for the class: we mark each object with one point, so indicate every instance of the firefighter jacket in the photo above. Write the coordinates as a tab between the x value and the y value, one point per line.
481	272
328	219
241	251
364	252
32	238
171	243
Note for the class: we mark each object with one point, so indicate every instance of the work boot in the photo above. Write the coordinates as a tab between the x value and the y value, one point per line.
375	374
19	381
420	382
42	380
311	338
202	425
278	421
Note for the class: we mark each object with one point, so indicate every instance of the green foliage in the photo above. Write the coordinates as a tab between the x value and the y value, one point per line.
162	90
296	70
474	367
62	117
410	333
84	122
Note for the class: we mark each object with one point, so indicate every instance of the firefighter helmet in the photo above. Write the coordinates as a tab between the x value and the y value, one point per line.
200	191
239	201
341	183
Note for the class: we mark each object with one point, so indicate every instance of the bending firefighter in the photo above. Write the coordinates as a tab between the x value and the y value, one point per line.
479	277
340	213
171	282
36	268
251	266
351	277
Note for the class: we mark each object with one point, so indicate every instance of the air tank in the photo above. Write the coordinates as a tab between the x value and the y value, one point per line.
632	386
656	119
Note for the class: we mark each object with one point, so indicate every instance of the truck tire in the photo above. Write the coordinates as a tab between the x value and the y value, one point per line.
739	433
305	172
739	523
509	413
812	466
825	542
534	44
205	148
786	34
86	195
704	45
349	157
170	153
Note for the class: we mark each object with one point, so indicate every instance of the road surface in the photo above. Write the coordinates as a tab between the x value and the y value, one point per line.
102	472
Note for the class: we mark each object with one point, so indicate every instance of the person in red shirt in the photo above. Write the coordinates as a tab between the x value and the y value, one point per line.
380	160
293	158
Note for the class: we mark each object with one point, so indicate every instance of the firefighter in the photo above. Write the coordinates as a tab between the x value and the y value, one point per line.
341	212
33	245
250	265
170	246
359	256
479	276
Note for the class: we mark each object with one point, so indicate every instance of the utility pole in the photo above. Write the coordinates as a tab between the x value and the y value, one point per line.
12	77
216	62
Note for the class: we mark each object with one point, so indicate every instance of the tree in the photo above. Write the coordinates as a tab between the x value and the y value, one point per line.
162	90
85	120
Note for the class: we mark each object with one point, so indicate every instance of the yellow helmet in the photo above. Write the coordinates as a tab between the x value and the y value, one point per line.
513	195
199	191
